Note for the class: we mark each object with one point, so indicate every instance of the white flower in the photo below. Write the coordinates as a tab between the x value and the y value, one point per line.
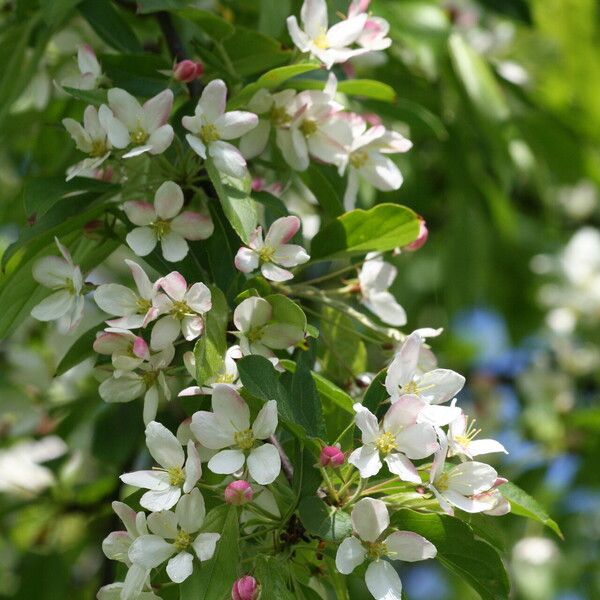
228	426
228	374
175	475
370	519
374	278
64	278
179	527
273	252
143	126
183	311
461	439
165	222
90	138
127	351
258	333
148	380
374	35
134	310
331	45
211	125
90	71
275	111
366	158
399	438
465	486
119	591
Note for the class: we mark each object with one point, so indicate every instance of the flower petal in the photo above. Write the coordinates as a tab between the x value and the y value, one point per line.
265	423
198	297
164	446
228	159
180	567
140	213
227	462
417	441
264	464
440	385
290	255
409	546
230	408
191	511
235	124
165	331
383	582
252	312
116	299
193	468
366	460
404	366
192	225
274	273
399	465
205	544
350	554
142	240
163	523
282	231
160	140
367	422
174	247
385	306
209	431
157	110
246	260
161	499
255	141
370	518
212	101
53	307
150	551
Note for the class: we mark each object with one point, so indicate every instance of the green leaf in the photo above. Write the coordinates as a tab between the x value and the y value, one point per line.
213	25
139	74
376	393
145	7
55	11
108	23
271	20
79	351
95	97
212	580
324	191
381	228
524	505
252	52
270	571
365	88
477	79
306	399
286	311
327	522
238	206
475	561
210	349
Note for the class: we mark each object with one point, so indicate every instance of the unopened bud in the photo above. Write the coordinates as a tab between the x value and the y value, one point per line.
238	492
188	70
421	239
93	230
245	588
332	456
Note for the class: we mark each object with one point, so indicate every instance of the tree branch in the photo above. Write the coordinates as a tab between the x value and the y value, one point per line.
286	465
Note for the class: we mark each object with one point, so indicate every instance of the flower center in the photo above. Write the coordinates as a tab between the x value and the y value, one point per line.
209	133
375	550
441	483
183	540
143	305
181	309
98	148
149	378
254	334
359	158
386	442
471	432
308	127
225	378
321	41
176	476
139	135
279	116
69	286
410	388
244	439
161	228
266	254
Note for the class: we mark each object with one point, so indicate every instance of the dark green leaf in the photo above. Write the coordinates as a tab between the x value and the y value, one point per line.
213	25
145	7
139	74
328	522
376	394
271	20
95	97
324	192
79	351
305	398
270	573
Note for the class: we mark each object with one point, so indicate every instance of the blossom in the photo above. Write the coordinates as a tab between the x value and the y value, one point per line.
148	380
175	475
91	138
64	278
90	71
329	45
211	126
273	252
332	456
183	310
188	70
227	374
374	34
143	126
165	223
238	492
245	588
399	438
133	310
370	520
258	332
127	351
375	278
365	157
228	426
461	439
179	527
421	237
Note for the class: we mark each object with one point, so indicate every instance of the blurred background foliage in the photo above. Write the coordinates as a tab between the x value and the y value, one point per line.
500	98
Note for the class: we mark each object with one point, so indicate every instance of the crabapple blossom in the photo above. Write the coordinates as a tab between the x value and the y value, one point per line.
238	492
164	222
374	278
148	380
211	127
228	430
461	439
183	310
421	238
90	71
273	253
188	70
245	588
176	474
143	126
329	45
398	439
374	35
127	351
91	138
173	533
132	309
63	277
332	456
370	520
227	374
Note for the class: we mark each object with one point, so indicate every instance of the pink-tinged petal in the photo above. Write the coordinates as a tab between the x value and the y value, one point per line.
264	464
253	143
346	32
165	332
228	159
116	131
399	465
403	412
370	518
116	299
417	441
197	145
140	348
282	231
140	213
87	61
108	342
193	390
161	139
142	281
265	423
368	424
409	546
404	366
252	312
209	431
314	17
125	107
235	124
174	284
142	240
366	460
290	255
150	551
92	125
293	146
192	327
174	247
192	226
157	110
246	260
227	462
383	581
168	200
212	101
230	408
300	39
198	298
393	142
274	273
350	554
53	307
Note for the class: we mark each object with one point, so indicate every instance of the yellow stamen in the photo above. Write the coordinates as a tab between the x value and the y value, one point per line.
386	442
209	133
244	439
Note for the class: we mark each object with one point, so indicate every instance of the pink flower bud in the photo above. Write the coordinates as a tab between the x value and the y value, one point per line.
332	456
238	493
94	229
244	588
421	239
188	70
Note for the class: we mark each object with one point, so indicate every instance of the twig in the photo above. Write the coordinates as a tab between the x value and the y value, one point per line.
286	465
